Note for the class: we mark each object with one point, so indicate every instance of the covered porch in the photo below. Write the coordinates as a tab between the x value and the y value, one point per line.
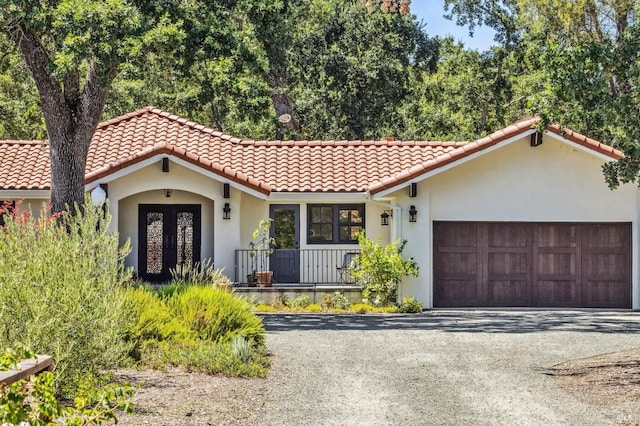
297	268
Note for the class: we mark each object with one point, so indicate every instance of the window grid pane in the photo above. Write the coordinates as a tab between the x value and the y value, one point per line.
334	223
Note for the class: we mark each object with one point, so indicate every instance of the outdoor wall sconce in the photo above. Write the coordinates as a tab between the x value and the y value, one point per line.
99	195
536	139
226	211
413	214
226	190
413	190
167	193
384	217
165	164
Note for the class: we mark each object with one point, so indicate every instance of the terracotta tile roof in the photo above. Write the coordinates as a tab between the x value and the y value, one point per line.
515	129
24	165
265	166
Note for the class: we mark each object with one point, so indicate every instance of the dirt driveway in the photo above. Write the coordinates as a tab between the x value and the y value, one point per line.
441	367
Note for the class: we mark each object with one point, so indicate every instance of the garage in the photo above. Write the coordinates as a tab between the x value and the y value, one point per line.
524	264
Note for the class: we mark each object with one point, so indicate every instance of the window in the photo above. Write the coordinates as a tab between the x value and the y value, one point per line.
334	223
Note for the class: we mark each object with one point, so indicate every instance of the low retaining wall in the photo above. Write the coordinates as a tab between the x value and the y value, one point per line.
269	294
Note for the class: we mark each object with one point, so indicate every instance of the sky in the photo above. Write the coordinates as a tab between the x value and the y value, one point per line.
431	13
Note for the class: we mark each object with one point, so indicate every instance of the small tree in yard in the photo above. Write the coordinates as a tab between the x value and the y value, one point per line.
380	269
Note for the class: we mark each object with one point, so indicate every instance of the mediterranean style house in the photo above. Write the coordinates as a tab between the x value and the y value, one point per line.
518	218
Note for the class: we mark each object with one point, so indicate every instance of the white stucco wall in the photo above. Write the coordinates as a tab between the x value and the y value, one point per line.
551	182
147	186
254	210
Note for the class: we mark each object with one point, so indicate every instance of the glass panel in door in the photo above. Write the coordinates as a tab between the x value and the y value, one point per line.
168	236
285	229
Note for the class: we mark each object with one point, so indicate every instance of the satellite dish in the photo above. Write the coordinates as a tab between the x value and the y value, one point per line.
284	118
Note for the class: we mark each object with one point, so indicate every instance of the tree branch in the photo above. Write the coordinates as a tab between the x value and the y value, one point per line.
92	98
38	61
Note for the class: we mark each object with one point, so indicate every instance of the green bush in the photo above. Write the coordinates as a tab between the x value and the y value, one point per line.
153	323
200	328
301	301
340	301
32	401
216	315
59	281
379	270
410	305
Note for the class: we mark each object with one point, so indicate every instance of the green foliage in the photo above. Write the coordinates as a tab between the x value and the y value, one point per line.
365	308
200	273
314	307
339	301
59	292
200	328
336	300
261	307
301	301
215	315
262	245
214	358
380	269
410	305
33	401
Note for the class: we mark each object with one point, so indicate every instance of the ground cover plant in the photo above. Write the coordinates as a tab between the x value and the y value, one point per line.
200	327
333	303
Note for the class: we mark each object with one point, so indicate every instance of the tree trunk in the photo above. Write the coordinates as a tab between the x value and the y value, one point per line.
282	105
71	114
68	161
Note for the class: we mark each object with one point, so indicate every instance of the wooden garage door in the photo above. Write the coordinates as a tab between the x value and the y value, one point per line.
532	264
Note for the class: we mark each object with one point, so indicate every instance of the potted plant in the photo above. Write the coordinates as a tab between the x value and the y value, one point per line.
259	250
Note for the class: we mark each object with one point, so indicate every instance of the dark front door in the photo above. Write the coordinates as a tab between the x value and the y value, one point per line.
285	229
169	236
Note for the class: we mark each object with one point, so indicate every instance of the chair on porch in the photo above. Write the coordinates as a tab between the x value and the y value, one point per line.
344	270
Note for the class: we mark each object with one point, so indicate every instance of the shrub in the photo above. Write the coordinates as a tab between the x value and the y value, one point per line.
200	328
363	308
199	273
216	315
153	322
339	301
410	305
301	301
32	401
59	292
380	269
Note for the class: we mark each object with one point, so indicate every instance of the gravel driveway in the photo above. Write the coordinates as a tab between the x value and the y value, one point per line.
441	367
